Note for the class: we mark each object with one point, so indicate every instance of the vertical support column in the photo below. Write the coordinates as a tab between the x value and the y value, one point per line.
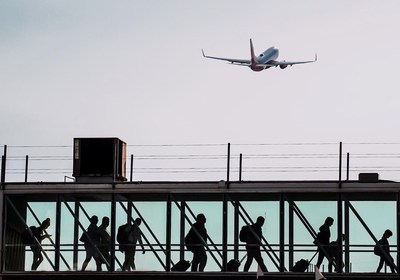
228	165
240	167
236	231
291	236
282	233
182	237
224	233
58	232
3	167
347	239
348	167
398	234
26	168
168	237
113	230
131	176
76	237
3	215
129	208
339	263
340	164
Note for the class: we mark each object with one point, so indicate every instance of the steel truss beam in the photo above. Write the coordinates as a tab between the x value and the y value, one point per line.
30	232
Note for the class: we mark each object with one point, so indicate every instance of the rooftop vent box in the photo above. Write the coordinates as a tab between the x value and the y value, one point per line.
368	177
99	160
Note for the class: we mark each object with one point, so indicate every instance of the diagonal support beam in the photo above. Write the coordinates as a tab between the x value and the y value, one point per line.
50	239
387	257
30	232
311	230
84	230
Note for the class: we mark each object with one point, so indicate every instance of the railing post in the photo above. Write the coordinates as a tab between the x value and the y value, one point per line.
240	167
228	165
168	234
340	164
348	167
26	168
3	166
131	168
224	233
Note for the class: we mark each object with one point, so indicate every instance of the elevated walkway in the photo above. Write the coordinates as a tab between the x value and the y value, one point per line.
91	275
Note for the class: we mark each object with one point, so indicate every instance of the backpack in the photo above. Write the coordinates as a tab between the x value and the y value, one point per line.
83	238
190	240
244	233
27	238
122	237
378	248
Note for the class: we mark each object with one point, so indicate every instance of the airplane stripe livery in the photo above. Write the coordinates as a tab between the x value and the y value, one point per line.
264	61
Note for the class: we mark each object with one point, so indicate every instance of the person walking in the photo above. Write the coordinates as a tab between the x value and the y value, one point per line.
195	241
384	252
253	243
36	247
91	240
130	236
105	242
323	238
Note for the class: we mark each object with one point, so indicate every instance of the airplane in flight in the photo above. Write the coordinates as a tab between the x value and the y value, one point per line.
263	61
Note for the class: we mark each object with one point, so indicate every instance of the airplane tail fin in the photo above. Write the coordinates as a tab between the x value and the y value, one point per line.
253	56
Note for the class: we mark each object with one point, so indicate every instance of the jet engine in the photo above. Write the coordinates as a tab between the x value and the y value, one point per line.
283	66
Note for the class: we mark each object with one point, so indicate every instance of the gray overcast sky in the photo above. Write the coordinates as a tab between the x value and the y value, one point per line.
134	70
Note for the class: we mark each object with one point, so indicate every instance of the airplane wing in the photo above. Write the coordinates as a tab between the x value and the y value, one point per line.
243	62
290	63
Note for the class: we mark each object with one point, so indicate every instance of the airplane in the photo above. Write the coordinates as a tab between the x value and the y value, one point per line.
263	61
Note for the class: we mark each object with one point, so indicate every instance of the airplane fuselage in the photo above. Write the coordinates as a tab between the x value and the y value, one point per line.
267	57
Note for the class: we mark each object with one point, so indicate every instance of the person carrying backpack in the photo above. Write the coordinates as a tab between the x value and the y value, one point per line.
384	246
323	238
253	243
128	236
195	242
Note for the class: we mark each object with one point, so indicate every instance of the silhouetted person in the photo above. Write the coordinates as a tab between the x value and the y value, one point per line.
335	250
195	241
91	244
133	235
35	247
384	243
323	237
253	243
105	239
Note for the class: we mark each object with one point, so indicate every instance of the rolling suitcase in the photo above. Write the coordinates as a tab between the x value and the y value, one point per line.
182	265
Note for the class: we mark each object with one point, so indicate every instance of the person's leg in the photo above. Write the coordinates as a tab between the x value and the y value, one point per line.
128	263
133	257
89	255
260	261
320	258
37	258
381	262
203	259
249	260
196	259
390	264
98	261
